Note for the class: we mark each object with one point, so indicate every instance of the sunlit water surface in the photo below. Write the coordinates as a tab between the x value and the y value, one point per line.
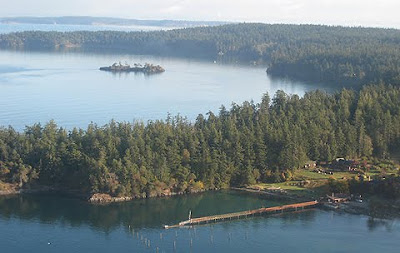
69	88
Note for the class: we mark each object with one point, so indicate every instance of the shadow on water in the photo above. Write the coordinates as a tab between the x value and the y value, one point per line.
377	223
73	225
125	74
152	213
287	83
144	213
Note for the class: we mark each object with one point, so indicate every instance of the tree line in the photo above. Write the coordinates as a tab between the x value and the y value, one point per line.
248	143
338	55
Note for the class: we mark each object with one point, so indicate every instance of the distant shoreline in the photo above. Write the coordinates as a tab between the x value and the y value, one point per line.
108	21
254	43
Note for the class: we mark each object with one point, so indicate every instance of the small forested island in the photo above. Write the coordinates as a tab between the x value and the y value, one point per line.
137	67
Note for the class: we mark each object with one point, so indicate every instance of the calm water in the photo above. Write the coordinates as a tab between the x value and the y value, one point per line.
53	224
69	88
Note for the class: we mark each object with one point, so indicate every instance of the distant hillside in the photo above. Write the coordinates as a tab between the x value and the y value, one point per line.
79	20
340	55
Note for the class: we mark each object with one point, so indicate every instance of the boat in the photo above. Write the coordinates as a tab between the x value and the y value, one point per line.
331	206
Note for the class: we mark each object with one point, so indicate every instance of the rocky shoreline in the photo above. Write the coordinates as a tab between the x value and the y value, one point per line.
101	198
16	191
95	198
104	198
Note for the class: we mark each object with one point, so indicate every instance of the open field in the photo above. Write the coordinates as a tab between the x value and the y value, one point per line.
306	183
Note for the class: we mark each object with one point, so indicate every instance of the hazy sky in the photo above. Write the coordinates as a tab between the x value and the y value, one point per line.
338	12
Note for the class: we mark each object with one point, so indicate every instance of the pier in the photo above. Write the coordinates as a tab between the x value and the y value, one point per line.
244	214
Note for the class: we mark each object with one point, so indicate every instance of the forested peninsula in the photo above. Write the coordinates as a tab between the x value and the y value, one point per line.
337	55
242	145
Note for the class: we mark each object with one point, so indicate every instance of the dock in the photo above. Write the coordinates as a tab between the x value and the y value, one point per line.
244	214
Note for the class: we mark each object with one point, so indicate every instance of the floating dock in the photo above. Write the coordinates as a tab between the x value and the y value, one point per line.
244	214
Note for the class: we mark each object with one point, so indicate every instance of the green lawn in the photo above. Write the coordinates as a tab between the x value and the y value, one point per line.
305	174
294	188
309	184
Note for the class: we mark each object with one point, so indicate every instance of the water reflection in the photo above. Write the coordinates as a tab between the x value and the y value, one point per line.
146	213
30	222
377	223
153	213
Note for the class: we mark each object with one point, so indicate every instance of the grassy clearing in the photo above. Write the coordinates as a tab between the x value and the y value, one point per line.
309	184
311	189
305	174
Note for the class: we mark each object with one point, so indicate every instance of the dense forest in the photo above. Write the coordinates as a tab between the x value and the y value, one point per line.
242	145
339	55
